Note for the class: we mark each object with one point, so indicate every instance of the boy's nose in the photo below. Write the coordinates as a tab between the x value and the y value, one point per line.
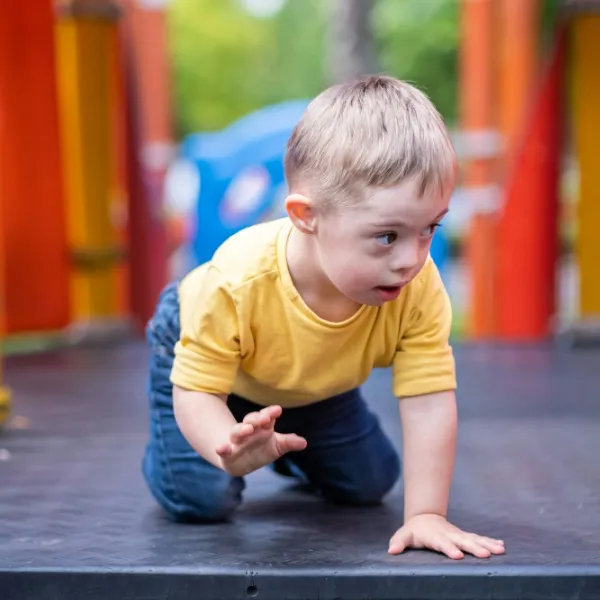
406	258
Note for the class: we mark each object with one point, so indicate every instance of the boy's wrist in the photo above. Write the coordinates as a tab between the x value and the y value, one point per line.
428	513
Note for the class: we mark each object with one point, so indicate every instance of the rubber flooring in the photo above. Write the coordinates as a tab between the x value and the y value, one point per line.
76	520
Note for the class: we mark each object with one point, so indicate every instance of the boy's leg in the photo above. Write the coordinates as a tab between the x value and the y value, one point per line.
349	459
187	487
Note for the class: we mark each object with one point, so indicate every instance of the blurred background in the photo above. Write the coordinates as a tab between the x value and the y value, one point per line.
137	135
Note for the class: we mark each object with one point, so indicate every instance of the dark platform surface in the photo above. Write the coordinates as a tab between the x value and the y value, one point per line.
77	522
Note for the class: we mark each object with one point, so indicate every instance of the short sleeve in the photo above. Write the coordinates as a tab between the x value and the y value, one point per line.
207	354
424	361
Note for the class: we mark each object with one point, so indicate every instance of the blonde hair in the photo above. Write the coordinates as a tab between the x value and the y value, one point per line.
373	132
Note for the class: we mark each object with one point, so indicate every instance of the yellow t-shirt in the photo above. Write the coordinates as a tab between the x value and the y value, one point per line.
246	330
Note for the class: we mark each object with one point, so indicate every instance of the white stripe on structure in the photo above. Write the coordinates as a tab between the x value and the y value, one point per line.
477	143
152	4
158	155
482	199
468	202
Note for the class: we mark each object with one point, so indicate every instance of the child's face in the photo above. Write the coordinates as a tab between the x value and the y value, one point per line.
371	251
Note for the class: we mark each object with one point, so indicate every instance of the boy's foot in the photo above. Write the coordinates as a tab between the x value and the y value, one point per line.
283	467
286	468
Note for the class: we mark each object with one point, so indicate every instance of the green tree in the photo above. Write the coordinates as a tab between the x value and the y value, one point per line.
418	41
228	63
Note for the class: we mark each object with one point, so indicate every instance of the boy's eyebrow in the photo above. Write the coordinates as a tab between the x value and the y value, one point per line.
398	223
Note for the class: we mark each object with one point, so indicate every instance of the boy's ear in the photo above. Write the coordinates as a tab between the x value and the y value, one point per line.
301	212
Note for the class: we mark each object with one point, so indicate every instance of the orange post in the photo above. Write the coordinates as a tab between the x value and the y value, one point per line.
519	22
35	260
477	116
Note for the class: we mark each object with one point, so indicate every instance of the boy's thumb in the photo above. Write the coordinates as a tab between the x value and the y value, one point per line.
291	442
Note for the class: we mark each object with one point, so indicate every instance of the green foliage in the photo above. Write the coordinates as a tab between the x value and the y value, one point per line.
227	63
418	41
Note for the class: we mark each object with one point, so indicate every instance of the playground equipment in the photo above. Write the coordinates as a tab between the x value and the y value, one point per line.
513	244
240	174
85	112
586	53
5	401
82	240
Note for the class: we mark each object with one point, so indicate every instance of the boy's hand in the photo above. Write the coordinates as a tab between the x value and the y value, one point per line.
434	532
254	443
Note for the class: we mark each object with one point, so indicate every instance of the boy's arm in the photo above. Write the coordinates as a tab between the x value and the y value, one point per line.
207	357
204	420
238	448
429	426
424	381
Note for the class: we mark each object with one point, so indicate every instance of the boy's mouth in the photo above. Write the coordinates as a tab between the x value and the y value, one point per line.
389	292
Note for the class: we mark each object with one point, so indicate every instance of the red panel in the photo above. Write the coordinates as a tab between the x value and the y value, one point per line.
528	231
33	247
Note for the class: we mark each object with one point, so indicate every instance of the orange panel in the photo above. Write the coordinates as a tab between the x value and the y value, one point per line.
31	195
477	115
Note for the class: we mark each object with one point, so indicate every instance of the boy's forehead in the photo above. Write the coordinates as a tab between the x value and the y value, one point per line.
404	204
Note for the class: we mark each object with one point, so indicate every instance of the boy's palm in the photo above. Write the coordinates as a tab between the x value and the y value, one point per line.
254	443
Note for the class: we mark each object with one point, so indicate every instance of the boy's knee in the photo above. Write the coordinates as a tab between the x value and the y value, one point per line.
208	496
370	487
209	504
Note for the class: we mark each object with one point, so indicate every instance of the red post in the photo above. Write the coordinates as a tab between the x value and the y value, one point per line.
528	229
149	148
33	237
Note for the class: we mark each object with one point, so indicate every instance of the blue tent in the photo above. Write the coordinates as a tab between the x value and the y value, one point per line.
241	173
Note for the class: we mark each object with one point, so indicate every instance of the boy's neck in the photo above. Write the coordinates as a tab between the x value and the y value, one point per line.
311	282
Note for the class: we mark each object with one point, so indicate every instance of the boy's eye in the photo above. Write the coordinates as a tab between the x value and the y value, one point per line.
430	229
386	239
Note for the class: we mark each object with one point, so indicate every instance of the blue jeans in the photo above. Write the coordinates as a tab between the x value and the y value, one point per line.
348	459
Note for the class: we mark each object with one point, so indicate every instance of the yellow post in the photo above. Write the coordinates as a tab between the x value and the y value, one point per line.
5	396
586	50
5	400
86	31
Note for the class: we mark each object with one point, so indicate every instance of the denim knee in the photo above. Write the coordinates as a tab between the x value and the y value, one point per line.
368	487
199	493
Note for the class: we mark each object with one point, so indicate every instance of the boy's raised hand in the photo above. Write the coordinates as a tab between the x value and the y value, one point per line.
436	533
254	443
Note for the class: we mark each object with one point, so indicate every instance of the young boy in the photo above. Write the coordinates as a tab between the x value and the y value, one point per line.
257	357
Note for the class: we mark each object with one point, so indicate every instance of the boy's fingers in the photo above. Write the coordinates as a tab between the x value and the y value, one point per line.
398	545
269	416
224	450
263	418
494	546
448	547
240	432
473	546
399	542
396	548
291	442
256	419
271	413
